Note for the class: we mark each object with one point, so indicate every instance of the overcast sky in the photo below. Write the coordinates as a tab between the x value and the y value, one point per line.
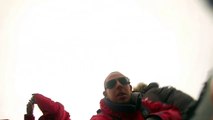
64	49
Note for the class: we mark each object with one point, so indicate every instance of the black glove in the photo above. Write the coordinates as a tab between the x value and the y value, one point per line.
153	117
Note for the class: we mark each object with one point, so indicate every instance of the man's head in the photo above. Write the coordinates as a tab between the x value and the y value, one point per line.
117	88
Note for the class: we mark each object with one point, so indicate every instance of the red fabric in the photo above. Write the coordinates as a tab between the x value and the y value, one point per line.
50	109
165	112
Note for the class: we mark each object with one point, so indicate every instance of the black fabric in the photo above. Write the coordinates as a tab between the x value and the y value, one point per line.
168	95
179	99
150	86
134	104
131	107
136	98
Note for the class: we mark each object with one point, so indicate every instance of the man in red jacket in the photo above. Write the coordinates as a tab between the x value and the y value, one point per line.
120	103
51	110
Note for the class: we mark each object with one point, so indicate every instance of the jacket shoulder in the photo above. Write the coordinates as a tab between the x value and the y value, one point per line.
100	117
149	87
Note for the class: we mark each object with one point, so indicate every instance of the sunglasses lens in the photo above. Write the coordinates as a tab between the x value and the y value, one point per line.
124	81
110	84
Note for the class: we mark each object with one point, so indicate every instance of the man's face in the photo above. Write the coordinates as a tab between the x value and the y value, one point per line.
120	91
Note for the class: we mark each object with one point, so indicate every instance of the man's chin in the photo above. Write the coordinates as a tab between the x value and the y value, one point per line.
123	100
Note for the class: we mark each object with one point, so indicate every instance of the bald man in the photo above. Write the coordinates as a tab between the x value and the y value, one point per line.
119	103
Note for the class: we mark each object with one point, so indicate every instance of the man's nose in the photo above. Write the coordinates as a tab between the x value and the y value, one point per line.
118	83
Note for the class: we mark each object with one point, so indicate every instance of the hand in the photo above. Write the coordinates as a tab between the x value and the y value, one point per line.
30	106
32	100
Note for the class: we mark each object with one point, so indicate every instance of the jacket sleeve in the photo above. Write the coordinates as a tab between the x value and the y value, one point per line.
164	111
100	117
170	95
45	104
29	117
177	98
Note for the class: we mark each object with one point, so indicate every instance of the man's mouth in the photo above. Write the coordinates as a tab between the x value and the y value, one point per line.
121	94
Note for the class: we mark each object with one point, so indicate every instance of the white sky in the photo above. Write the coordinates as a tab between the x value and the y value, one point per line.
64	49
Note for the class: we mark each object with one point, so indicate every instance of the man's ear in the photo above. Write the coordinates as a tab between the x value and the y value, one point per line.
130	87
104	93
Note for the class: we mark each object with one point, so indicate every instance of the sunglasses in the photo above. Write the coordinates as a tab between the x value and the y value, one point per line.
111	83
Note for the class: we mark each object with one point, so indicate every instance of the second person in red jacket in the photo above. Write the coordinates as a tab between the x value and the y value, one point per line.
51	110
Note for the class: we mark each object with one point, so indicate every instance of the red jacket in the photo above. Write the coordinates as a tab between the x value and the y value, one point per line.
50	109
165	112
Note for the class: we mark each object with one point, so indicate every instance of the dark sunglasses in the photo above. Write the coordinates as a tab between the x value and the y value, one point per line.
111	83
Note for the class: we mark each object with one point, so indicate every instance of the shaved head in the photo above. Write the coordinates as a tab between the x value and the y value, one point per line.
113	75
120	89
